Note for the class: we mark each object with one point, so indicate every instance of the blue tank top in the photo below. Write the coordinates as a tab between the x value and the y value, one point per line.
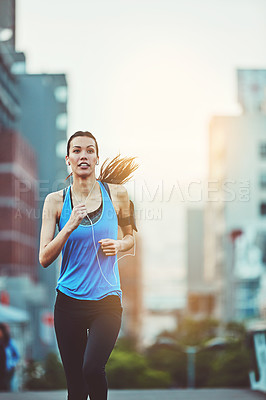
81	277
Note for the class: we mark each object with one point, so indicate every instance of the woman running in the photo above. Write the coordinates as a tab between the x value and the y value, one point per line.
88	307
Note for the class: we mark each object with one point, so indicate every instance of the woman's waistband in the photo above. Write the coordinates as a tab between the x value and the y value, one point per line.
107	300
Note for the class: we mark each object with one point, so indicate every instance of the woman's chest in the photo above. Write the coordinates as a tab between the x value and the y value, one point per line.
95	207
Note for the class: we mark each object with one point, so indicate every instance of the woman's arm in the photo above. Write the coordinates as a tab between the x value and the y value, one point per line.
51	247
128	239
127	242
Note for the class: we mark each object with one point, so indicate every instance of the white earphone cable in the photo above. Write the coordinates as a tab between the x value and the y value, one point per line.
114	262
96	253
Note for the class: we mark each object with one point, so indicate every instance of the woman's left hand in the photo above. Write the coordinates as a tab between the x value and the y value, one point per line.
110	247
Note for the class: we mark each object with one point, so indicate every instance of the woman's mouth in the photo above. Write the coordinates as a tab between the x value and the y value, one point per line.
84	165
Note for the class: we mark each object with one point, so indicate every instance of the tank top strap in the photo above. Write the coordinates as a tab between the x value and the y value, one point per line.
105	184
64	193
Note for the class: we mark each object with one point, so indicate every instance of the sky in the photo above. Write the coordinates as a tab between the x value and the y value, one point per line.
145	76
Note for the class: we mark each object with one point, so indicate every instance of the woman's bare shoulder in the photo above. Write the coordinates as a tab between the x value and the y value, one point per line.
55	197
118	191
54	201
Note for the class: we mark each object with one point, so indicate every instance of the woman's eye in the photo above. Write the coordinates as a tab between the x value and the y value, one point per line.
77	151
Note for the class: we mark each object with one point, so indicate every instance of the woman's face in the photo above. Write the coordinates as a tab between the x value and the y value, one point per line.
82	155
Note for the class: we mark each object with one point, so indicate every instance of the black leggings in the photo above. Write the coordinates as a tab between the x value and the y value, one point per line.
85	354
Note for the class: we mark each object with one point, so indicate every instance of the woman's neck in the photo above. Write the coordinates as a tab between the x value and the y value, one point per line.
83	186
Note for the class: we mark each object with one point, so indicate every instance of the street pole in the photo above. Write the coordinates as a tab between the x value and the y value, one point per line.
191	350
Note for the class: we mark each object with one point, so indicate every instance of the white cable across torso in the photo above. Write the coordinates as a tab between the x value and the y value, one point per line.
94	243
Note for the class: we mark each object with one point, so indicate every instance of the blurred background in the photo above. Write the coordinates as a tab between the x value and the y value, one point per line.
181	85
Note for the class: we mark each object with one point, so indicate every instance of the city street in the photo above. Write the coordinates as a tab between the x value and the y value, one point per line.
201	394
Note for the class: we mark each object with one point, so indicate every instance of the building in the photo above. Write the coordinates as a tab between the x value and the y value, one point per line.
130	268
17	165
161	219
9	101
44	123
18	244
236	207
19	288
200	296
33	144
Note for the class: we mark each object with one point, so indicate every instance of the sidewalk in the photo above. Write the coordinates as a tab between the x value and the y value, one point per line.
200	394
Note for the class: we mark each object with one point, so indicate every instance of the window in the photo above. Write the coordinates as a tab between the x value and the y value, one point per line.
263	150
61	148
263	209
261	242
61	94
18	67
263	180
61	121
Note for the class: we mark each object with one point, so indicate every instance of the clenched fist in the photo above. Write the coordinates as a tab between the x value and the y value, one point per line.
78	213
110	247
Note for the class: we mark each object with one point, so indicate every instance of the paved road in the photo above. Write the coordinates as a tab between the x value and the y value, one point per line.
200	394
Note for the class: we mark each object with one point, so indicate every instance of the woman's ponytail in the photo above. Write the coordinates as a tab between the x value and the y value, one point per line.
118	170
